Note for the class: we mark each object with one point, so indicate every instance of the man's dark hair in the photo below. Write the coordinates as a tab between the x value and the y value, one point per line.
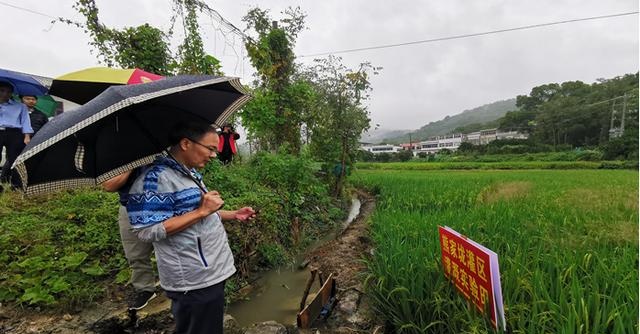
6	84
190	130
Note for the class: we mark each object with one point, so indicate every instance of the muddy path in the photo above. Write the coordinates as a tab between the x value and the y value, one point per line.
342	256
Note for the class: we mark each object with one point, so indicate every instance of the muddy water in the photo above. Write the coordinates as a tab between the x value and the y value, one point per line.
278	292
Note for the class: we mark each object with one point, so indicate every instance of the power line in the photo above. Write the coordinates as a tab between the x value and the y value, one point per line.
27	10
468	35
39	13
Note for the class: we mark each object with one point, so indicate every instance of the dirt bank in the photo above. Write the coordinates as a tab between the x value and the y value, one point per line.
344	257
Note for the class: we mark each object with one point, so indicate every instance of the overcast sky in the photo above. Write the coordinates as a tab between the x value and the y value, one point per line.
419	83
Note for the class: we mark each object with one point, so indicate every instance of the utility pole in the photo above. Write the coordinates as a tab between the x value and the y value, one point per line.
613	114
624	110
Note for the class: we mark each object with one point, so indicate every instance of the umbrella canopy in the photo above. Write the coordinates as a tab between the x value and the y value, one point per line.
122	128
47	105
22	84
82	86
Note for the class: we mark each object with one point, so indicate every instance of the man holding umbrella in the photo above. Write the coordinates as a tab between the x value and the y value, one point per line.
169	206
15	130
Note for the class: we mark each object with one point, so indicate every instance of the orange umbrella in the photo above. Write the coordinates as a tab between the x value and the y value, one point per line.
82	86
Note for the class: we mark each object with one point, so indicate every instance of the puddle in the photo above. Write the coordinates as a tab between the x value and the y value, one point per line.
278	292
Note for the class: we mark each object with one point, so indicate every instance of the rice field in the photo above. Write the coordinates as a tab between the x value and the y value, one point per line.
567	242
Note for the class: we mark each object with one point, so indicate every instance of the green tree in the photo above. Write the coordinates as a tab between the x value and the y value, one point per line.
341	117
143	46
275	118
147	47
404	155
576	114
466	147
192	57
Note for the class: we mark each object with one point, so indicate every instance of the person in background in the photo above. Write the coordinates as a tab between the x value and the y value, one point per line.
137	253
170	206
37	118
15	132
227	144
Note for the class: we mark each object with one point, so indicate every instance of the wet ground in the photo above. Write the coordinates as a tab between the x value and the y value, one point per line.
341	255
277	294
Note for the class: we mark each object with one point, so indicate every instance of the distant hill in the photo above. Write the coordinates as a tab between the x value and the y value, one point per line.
377	135
471	120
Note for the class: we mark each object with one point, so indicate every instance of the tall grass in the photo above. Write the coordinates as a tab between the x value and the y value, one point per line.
484	165
567	243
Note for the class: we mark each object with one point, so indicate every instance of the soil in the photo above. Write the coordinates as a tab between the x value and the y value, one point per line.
342	256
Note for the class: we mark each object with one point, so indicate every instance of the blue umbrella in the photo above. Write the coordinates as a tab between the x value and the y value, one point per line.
22	84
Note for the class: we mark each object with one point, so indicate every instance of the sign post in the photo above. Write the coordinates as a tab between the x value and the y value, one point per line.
474	271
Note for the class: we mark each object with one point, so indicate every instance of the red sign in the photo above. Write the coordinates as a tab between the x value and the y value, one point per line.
474	271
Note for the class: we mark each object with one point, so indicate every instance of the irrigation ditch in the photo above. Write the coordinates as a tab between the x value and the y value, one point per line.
271	303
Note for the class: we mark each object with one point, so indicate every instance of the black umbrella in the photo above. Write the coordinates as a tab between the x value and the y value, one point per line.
122	128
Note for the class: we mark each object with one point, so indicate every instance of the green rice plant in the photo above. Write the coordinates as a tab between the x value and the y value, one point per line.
506	165
567	242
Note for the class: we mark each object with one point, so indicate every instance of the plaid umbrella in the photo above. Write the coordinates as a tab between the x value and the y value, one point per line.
122	128
82	86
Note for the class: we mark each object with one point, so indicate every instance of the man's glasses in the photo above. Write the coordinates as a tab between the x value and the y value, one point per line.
210	148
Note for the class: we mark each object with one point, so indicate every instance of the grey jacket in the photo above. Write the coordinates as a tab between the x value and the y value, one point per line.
195	258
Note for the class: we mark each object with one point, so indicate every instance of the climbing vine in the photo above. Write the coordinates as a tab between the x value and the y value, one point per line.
147	47
276	115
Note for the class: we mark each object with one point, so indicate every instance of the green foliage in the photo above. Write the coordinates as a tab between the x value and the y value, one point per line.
272	254
147	47
576	114
283	100
262	121
57	250
293	205
340	115
404	155
624	147
143	47
473	127
513	164
193	58
567	243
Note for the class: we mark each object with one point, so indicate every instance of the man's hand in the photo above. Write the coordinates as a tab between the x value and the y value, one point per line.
246	213
116	182
27	139
211	202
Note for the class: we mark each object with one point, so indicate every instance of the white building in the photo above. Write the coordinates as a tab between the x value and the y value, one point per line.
453	141
376	149
488	135
435	144
511	135
473	138
429	146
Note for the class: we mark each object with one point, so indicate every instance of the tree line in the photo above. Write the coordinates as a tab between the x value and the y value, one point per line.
574	114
